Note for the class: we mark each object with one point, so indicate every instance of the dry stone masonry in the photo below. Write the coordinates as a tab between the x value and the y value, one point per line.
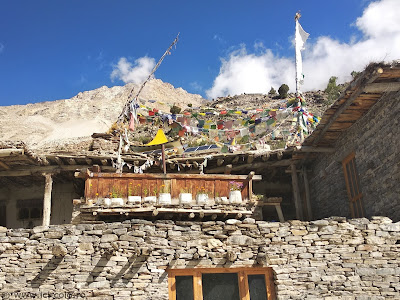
332	258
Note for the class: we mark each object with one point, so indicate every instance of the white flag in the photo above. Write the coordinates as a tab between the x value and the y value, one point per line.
301	37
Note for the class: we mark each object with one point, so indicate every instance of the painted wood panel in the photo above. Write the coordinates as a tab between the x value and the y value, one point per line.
106	184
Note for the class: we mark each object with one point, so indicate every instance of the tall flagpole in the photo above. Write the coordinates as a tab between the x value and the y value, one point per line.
300	38
297	52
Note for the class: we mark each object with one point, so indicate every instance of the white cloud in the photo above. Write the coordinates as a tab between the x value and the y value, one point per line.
196	86
1	47
136	72
248	72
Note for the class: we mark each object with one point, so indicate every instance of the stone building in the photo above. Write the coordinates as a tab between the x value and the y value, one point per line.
215	249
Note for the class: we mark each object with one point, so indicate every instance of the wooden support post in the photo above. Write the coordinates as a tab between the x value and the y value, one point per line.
220	162
201	214
296	193
239	215
48	186
155	212
279	212
279	155
265	156
250	159
191	215
249	183
214	216
307	191
235	160
58	161
3	165
163	159
71	161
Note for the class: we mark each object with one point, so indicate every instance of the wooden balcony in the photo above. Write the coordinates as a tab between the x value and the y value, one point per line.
104	185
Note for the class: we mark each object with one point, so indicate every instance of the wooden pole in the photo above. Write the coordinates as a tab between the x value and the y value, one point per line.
48	186
307	191
296	193
163	159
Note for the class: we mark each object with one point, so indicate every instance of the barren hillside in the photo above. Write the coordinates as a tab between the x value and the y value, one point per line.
57	122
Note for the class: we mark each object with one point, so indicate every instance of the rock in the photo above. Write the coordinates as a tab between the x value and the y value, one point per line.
233	222
53	234
108	238
248	221
59	251
214	243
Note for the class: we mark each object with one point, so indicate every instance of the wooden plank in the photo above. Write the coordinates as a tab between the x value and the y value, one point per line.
382	87
177	176
341	125
243	286
348	102
307	193
210	186
11	152
171	286
269	283
296	193
197	286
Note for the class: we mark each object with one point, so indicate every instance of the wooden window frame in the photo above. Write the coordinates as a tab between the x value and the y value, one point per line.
243	283
353	186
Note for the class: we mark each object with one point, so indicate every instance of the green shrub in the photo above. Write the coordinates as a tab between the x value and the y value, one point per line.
272	92
283	90
333	90
175	110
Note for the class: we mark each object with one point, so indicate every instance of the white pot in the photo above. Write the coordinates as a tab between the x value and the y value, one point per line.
150	199
222	200
134	199
107	201
117	202
235	197
185	198
201	199
164	199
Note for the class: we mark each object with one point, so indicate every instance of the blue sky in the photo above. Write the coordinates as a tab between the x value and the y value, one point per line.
53	50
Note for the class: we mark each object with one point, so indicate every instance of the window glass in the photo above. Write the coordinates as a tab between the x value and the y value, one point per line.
23	213
220	286
36	213
257	288
184	287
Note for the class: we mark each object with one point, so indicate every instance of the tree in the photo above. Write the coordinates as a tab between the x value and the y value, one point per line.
175	110
272	92
332	90
283	90
354	74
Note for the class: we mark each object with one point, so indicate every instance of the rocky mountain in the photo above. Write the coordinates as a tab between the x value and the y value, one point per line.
64	124
46	124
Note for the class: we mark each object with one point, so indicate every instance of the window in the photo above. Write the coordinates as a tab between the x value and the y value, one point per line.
3	215
221	284
353	186
30	209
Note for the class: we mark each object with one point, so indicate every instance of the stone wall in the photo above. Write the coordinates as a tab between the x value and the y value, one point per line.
375	139
330	258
